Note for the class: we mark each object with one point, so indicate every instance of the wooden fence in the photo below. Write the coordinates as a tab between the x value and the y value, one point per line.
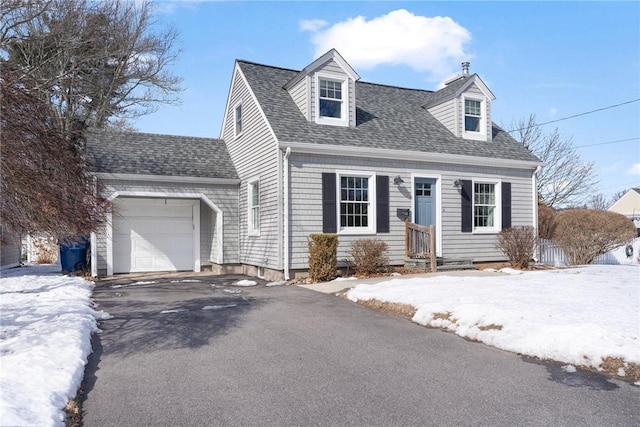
420	242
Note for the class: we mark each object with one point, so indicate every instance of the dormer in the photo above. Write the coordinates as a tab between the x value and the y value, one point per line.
464	106
324	91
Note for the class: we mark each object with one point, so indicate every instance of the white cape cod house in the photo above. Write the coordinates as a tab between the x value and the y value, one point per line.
313	151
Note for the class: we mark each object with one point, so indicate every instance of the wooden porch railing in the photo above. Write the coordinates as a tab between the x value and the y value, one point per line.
420	242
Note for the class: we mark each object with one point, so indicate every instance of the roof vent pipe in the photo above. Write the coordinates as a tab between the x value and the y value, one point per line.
465	68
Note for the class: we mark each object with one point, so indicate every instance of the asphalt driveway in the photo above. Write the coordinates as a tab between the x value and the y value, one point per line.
195	350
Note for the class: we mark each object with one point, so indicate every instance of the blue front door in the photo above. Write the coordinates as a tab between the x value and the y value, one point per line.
425	199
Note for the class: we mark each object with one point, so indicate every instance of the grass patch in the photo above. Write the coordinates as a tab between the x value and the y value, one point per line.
611	366
405	311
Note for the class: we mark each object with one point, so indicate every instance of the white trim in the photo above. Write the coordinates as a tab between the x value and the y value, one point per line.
322	60
371	190
438	190
166	178
251	232
478	81
344	107
384	153
480	135
497	218
235	119
196	231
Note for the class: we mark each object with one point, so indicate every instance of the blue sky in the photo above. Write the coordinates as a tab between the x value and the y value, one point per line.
551	59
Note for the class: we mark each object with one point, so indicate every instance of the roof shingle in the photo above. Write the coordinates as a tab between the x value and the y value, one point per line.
387	117
152	154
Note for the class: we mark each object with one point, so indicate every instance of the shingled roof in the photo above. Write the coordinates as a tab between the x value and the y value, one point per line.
165	155
387	117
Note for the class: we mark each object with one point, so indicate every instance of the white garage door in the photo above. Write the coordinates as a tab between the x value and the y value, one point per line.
154	234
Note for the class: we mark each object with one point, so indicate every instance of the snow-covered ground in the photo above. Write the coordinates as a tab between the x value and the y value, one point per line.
577	315
46	321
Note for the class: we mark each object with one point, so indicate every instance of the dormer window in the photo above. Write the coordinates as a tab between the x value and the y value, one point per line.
472	115
332	99
475	118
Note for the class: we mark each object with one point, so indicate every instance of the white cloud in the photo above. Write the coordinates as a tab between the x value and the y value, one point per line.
553	111
312	25
635	169
435	45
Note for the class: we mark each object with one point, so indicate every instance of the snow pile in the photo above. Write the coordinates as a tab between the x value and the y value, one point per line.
45	339
578	316
245	283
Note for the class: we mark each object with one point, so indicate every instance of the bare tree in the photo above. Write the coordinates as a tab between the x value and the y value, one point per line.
71	65
565	179
599	202
93	60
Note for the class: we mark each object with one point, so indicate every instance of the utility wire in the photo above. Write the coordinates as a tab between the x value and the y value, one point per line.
577	115
608	142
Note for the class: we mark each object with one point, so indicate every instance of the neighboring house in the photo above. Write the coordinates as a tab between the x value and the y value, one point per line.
316	151
10	250
629	206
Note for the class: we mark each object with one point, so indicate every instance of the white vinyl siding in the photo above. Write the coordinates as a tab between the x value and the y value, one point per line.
255	152
306	197
299	95
445	113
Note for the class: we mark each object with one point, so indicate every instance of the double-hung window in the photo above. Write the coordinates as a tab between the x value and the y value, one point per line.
254	207
330	101
356	203
472	115
486	210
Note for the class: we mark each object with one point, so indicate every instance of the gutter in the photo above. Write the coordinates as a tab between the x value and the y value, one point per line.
387	154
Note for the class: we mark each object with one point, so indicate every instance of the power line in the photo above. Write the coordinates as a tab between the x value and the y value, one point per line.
577	115
608	142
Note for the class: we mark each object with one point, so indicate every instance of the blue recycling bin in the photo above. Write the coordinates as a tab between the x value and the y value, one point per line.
73	254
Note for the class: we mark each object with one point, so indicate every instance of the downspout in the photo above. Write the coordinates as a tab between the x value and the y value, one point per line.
534	191
286	213
94	239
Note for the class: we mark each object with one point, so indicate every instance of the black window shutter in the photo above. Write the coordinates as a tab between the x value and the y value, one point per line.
467	205
329	209
506	205
382	204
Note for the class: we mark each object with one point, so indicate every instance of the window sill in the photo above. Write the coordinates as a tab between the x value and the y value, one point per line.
486	231
332	121
253	234
355	232
475	136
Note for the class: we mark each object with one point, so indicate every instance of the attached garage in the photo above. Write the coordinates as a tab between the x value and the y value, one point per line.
155	235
